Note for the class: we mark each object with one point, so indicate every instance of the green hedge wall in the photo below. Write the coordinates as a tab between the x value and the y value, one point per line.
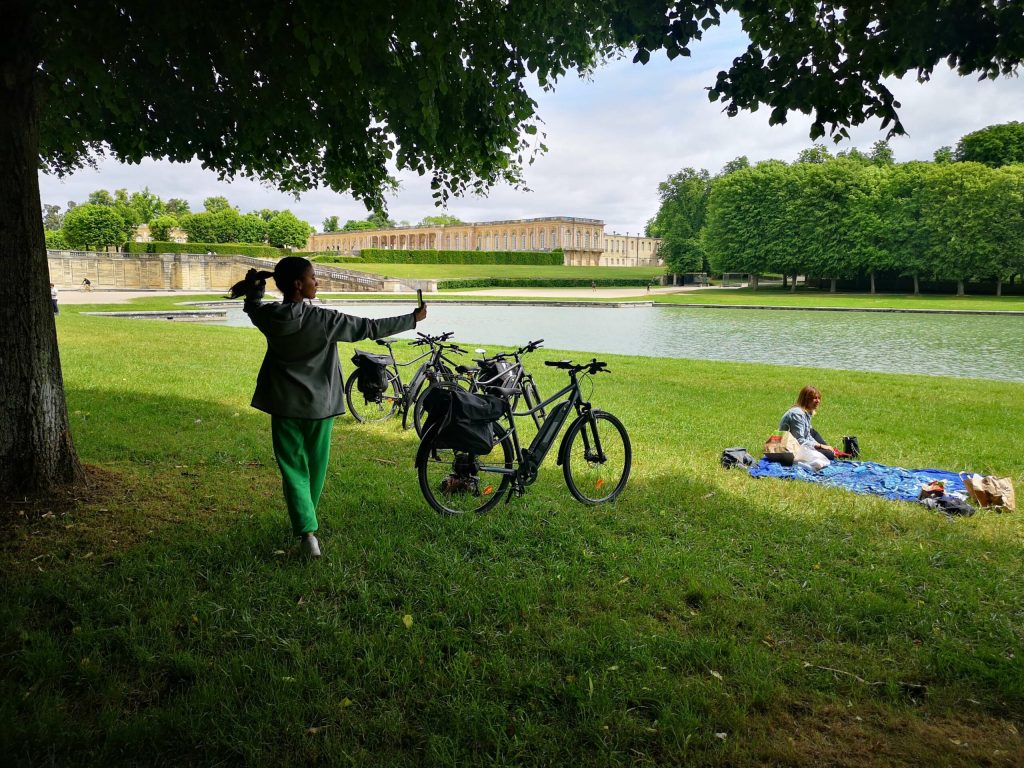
553	282
385	256
222	249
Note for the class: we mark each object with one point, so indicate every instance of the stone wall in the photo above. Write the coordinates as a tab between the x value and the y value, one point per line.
195	272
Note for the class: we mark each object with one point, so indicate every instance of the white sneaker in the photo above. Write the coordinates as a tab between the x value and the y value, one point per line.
309	546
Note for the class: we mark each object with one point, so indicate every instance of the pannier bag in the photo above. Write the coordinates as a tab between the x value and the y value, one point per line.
737	457
372	374
497	374
851	446
460	420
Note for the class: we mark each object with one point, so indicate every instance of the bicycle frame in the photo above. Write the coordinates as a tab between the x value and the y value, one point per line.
529	459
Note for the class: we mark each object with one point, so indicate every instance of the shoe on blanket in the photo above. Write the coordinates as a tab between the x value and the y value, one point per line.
309	546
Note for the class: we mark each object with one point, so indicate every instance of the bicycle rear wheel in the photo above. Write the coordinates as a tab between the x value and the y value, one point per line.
379	409
597	458
456	483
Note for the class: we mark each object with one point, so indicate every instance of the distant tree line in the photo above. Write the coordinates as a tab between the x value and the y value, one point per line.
107	219
957	218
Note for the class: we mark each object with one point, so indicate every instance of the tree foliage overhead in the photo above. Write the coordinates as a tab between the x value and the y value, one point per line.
315	93
829	58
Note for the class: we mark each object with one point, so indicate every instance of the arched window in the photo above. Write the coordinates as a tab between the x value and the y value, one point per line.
542	238
504	243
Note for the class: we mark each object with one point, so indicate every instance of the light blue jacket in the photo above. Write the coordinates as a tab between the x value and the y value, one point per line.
798	422
301	375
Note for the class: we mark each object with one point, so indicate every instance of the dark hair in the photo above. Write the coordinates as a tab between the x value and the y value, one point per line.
286	272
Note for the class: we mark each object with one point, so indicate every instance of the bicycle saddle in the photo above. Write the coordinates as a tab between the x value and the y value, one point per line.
385	342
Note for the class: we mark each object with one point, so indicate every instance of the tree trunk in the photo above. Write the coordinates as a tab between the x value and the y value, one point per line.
792	285
959	287
872	273
917	285
36	451
999	286
753	282
832	286
785	280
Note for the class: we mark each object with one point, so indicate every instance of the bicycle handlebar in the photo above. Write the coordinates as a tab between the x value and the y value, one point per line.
594	366
425	338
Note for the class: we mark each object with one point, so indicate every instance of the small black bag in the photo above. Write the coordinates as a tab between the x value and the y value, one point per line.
737	457
496	374
460	420
372	374
851	446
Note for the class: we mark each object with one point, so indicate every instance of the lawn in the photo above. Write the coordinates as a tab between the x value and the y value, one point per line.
521	271
163	617
781	297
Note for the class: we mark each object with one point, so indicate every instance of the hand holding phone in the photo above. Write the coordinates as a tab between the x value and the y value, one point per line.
421	308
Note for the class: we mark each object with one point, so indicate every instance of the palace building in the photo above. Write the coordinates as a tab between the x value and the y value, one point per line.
583	241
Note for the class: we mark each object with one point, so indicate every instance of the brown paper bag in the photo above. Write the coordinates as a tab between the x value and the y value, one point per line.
782	442
990	491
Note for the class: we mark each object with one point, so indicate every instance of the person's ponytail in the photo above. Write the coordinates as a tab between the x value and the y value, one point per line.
243	287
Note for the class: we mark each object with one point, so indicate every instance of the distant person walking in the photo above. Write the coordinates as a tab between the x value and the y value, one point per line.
53	299
300	383
593	285
87	284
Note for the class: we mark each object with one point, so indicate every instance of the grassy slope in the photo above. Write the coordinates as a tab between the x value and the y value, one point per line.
451	271
167	619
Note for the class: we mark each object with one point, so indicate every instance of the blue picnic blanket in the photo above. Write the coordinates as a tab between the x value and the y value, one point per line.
866	477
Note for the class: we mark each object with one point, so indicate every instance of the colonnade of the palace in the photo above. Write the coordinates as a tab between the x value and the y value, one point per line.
576	235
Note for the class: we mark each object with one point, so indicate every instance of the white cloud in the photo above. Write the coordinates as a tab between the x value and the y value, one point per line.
611	140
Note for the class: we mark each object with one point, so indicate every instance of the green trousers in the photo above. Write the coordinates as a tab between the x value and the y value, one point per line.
302	448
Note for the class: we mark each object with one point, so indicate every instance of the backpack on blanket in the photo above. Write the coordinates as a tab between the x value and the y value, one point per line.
372	374
737	457
460	420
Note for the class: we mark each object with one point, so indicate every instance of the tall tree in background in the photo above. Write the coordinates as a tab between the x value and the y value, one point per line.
313	93
680	219
330	224
993	146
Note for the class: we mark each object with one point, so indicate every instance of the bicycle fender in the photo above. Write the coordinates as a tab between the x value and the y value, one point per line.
563	449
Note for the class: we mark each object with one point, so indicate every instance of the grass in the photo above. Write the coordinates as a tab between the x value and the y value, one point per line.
526	271
782	297
162	616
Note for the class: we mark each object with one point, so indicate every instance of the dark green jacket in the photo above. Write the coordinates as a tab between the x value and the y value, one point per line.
301	375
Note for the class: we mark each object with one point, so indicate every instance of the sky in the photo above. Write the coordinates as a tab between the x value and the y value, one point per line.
611	138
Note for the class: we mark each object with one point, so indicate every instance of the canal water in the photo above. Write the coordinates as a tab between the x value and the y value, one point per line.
977	346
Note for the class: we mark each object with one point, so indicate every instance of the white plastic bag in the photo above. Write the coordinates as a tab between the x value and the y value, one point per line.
811	459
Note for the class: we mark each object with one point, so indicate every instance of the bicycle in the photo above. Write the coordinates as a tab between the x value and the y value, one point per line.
595	454
396	395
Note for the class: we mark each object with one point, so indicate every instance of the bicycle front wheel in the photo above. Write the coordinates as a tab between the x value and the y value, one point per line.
597	458
378	409
456	483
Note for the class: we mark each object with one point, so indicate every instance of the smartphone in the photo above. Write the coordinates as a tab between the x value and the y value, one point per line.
419	296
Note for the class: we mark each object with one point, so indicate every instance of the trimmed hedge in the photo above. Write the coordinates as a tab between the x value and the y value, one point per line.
221	249
386	256
551	282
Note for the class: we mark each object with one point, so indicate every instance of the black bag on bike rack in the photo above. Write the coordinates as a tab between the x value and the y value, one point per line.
497	373
372	379
460	420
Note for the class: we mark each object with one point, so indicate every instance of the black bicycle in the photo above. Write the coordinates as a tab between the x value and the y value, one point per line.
595	453
394	395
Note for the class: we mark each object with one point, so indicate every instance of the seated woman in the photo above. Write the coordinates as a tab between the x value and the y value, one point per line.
797	421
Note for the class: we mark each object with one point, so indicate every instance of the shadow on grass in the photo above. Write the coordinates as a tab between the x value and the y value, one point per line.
172	622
